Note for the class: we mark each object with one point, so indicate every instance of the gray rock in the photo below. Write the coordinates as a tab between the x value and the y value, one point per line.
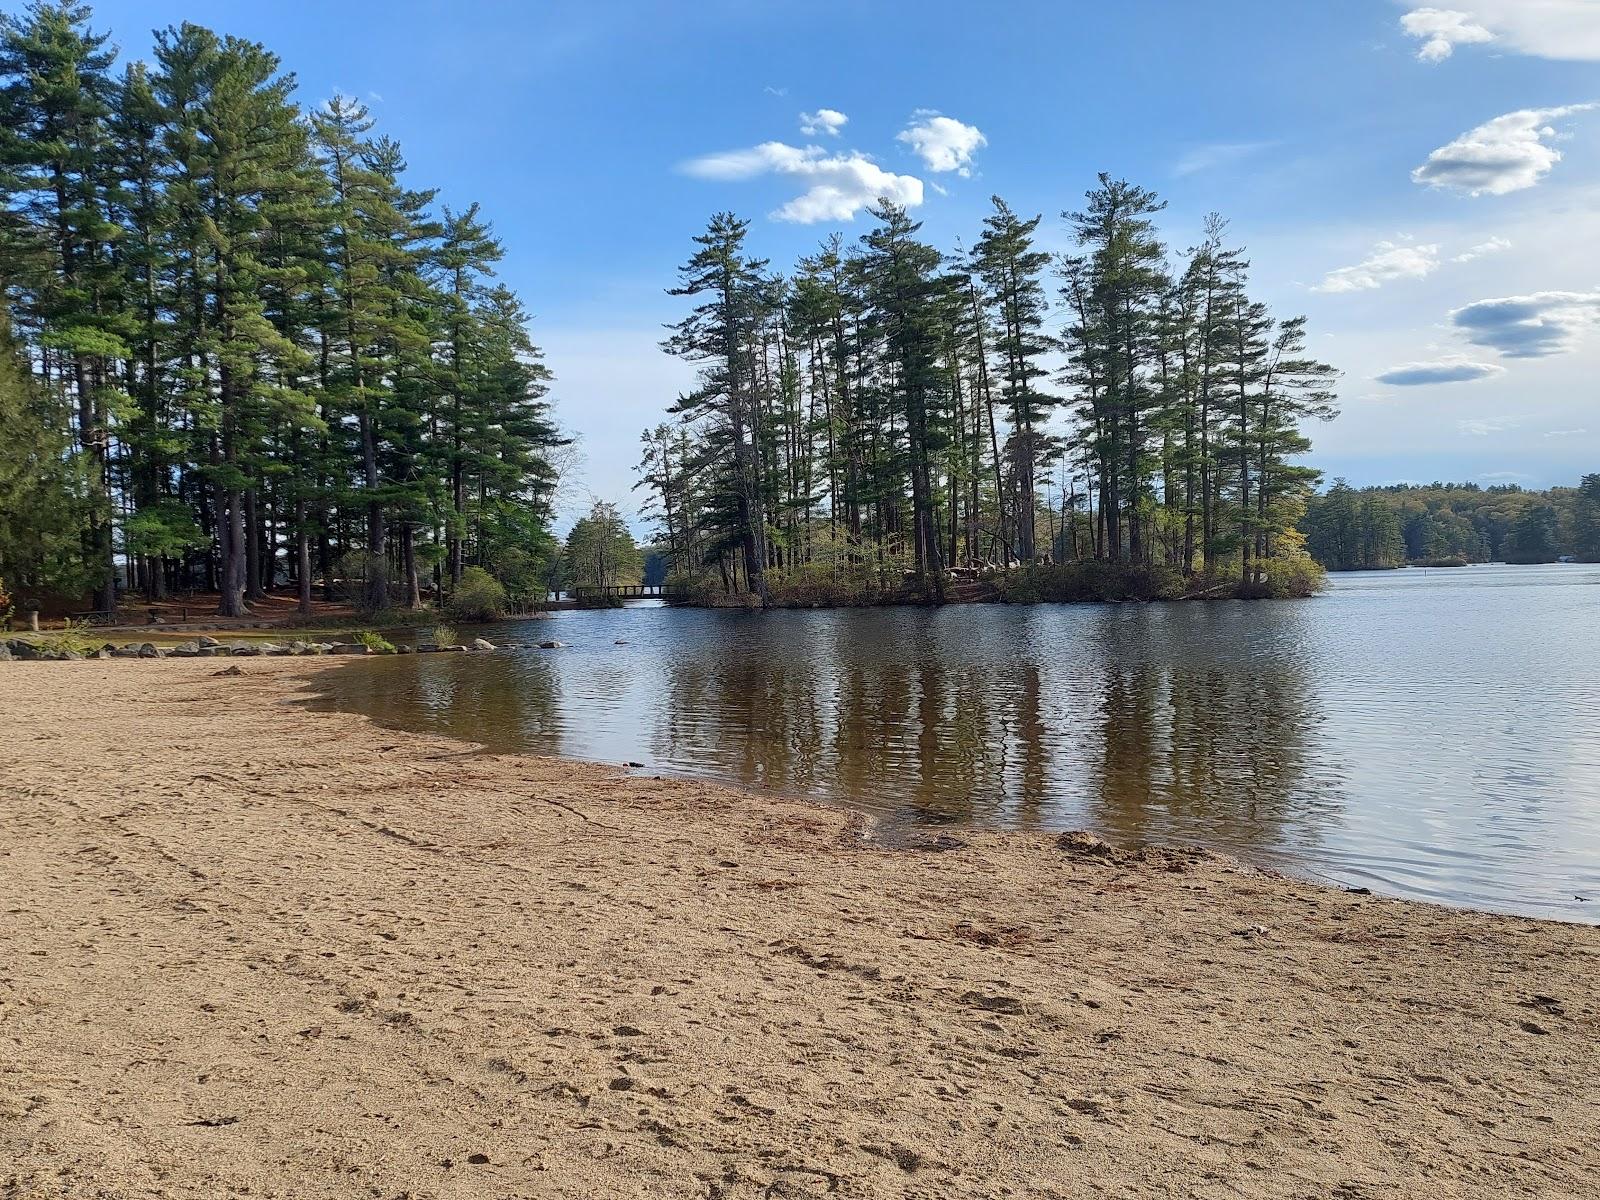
274	648
148	650
205	640
482	644
125	652
403	650
244	649
552	645
348	648
185	650
102	653
5	652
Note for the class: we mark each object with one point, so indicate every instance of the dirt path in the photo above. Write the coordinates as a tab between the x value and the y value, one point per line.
251	950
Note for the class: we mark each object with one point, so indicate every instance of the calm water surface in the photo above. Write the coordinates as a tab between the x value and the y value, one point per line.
1430	733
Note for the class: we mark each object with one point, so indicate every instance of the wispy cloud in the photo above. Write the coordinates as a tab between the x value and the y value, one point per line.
1388	262
1482	250
1484	426
1208	156
1507	154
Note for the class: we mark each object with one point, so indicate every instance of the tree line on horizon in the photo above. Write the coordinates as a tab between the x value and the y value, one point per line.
886	410
238	345
1375	528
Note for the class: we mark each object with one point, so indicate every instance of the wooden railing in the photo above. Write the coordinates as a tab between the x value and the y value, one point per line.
630	591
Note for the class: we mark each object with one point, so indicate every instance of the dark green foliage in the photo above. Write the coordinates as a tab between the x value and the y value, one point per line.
478	597
601	552
878	423
255	351
1586	520
1447	523
1536	537
43	500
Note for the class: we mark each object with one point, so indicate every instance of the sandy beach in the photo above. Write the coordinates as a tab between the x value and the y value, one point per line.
249	949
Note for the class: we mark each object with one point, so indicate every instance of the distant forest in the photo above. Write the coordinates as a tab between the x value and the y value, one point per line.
1350	529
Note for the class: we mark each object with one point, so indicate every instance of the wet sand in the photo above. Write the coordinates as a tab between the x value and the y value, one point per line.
247	949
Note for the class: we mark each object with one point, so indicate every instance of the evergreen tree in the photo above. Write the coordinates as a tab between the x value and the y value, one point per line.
718	334
1586	520
1012	273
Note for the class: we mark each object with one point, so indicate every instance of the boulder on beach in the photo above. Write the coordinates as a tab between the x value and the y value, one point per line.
482	644
207	640
348	648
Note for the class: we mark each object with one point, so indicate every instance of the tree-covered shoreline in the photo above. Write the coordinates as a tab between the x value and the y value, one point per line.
241	346
879	421
1448	524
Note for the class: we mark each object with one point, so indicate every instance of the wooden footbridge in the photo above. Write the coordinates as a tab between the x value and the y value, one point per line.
671	593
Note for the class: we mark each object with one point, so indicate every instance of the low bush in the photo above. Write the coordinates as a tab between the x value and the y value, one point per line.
1291	577
439	635
478	597
375	641
74	637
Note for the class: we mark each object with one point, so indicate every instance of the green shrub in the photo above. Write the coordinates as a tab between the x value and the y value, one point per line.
74	637
478	597
1291	577
439	635
375	641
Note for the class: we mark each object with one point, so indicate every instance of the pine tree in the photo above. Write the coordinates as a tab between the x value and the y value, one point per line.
1012	269
717	334
53	105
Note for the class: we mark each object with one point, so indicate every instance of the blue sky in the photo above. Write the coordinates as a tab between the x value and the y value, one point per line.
1460	305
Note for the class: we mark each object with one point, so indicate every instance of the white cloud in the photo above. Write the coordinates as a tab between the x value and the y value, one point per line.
1493	246
1533	326
1452	369
1210	155
1561	433
943	143
825	122
1387	262
1560	29
839	185
1484	426
1441	30
1504	155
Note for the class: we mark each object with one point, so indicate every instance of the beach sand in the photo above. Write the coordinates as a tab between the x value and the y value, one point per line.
249	949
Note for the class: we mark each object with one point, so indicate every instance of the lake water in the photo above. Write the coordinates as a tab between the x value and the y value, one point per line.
1427	733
